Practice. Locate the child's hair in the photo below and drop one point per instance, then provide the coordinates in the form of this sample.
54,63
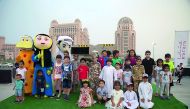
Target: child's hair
159,61
130,52
118,64
19,75
58,57
147,52
39,71
85,82
104,51
108,53
127,59
66,52
167,55
115,52
82,59
109,60
67,57
102,81
165,66
116,83
21,62
138,58
127,67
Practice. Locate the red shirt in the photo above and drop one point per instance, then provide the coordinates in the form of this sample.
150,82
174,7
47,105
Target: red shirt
83,72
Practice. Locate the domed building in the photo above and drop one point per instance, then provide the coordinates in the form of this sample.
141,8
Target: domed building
125,36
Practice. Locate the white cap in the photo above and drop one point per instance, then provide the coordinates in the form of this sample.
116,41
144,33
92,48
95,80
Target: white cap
66,39
145,75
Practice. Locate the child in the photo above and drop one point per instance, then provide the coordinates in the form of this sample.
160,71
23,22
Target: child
180,73
138,71
94,73
171,68
82,70
19,88
86,98
75,64
40,84
116,97
127,63
57,75
127,75
132,57
130,98
116,58
119,72
165,79
22,71
148,64
157,71
108,74
67,77
102,92
145,93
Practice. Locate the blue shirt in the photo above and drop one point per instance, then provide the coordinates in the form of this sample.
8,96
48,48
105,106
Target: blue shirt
102,91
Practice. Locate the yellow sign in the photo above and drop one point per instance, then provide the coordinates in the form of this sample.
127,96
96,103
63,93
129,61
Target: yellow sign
108,45
83,45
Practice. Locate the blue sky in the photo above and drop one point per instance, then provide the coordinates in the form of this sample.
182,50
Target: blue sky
154,20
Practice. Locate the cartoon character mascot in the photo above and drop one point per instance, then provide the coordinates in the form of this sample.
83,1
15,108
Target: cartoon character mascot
64,43
25,54
43,62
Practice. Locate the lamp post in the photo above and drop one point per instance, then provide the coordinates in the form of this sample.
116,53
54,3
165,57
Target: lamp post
153,45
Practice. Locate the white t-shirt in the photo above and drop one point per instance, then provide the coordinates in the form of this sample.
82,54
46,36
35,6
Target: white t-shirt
165,76
119,74
158,70
21,71
127,76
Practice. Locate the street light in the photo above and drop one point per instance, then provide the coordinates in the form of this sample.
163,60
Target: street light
153,45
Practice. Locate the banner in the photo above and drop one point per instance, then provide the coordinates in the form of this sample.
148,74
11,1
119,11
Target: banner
181,48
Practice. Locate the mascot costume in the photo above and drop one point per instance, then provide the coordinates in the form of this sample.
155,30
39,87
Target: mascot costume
64,43
43,62
26,51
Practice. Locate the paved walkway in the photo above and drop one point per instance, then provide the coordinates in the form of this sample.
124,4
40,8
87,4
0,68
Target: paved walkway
182,92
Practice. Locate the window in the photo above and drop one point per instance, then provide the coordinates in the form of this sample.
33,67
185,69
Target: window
125,33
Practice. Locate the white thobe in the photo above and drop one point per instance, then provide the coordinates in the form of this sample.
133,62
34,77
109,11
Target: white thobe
131,97
145,91
108,74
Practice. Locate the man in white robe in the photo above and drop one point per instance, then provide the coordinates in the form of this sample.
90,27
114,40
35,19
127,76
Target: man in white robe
130,98
109,75
145,93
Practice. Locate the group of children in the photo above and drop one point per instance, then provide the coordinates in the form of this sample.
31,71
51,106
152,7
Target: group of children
104,81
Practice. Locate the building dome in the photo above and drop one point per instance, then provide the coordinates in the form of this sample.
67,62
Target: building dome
54,23
77,21
125,20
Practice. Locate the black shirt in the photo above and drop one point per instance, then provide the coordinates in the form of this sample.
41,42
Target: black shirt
148,65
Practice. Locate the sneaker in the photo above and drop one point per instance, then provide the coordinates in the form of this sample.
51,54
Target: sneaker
168,98
67,97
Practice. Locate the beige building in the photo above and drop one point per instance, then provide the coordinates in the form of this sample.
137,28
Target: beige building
125,36
74,30
7,51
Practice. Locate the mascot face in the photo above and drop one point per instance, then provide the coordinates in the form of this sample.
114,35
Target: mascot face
43,41
64,43
25,42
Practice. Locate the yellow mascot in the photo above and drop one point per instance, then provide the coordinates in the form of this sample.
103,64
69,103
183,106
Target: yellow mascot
26,51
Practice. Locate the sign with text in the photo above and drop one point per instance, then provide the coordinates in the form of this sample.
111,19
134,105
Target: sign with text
181,47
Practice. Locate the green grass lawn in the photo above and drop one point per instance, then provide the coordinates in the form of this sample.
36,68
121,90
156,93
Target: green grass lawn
50,103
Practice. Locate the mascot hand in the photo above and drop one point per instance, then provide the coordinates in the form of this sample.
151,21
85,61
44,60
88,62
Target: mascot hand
48,72
39,55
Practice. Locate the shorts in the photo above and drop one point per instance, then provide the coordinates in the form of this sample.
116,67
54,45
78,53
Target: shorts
18,92
172,83
67,83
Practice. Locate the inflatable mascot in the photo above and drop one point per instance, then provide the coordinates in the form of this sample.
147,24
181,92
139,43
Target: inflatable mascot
26,51
64,43
43,62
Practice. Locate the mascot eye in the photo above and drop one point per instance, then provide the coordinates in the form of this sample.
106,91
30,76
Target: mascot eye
69,46
26,39
22,39
39,38
46,39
